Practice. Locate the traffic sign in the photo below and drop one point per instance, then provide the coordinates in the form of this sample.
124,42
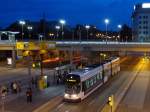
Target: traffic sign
32,46
20,45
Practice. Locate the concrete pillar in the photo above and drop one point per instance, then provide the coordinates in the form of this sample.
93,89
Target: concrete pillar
13,58
122,53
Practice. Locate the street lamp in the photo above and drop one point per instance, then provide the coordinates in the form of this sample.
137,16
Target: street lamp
62,22
87,29
106,23
22,23
119,27
57,28
29,29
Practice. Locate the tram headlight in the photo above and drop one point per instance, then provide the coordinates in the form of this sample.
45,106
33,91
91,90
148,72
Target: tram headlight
74,96
66,95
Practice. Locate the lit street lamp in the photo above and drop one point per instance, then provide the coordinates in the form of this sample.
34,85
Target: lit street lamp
87,29
119,27
29,29
62,22
106,23
22,23
57,28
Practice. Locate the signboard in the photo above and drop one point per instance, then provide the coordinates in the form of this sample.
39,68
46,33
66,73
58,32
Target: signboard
32,46
9,61
43,45
20,45
51,45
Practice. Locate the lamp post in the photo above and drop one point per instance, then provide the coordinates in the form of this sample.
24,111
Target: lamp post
22,23
29,29
119,27
87,29
57,28
71,51
62,22
106,23
40,38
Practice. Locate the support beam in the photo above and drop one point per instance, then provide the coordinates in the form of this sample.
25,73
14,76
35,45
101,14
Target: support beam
13,58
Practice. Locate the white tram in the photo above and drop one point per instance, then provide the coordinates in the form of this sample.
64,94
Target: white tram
82,82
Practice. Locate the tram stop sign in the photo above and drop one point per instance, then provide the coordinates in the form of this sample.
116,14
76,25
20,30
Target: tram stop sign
111,100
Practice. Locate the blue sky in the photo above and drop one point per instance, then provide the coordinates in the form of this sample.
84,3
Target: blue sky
74,11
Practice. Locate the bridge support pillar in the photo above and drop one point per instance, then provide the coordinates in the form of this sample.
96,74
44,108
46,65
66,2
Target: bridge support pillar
13,58
122,53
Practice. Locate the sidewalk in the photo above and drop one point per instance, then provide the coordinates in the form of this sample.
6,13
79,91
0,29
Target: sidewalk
19,103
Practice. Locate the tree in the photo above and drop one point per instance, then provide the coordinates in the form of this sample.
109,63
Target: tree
126,33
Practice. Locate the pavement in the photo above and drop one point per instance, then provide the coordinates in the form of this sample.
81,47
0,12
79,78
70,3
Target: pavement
19,103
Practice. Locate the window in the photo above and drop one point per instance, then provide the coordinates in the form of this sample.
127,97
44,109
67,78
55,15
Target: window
95,80
98,76
145,22
87,84
91,82
4,37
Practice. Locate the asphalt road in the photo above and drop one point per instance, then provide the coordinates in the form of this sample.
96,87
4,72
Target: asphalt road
137,98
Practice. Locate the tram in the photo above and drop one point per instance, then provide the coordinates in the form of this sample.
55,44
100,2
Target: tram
82,82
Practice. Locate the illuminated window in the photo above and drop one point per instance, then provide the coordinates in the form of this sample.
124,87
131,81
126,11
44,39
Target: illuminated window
146,5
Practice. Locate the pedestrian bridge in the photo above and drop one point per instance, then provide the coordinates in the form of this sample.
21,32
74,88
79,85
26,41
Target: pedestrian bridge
84,45
103,46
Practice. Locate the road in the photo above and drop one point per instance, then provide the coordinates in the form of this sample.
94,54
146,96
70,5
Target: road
137,98
95,102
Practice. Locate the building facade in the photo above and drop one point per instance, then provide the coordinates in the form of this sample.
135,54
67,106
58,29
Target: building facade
141,23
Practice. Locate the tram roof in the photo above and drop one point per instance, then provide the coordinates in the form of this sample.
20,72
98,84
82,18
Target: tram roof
85,70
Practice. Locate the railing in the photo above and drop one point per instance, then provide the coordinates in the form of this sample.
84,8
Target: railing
99,43
83,43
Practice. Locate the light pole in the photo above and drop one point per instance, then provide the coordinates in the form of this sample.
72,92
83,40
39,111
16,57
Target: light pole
40,37
87,29
106,23
119,27
57,28
29,29
62,22
22,23
71,51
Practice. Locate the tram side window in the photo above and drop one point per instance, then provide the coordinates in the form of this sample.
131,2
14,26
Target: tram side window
91,82
98,76
87,83
95,80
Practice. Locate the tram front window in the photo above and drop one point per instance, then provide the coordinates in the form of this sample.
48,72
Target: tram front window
73,85
73,89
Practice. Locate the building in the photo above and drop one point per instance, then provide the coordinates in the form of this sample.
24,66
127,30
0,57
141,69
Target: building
141,22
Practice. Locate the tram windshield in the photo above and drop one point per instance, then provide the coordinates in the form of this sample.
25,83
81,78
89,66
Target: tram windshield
72,84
